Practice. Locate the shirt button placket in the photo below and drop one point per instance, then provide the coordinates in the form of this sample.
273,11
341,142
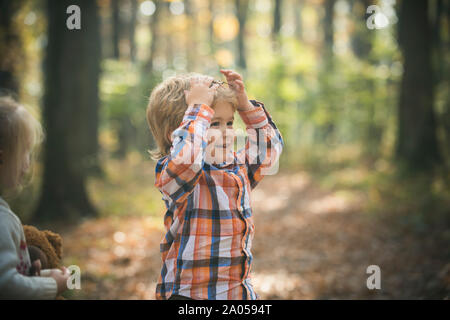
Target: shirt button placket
239,199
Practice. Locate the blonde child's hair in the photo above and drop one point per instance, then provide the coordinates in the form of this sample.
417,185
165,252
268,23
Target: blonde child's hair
20,132
166,108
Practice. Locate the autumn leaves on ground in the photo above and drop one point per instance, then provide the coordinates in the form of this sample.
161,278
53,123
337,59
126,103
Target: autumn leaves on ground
315,238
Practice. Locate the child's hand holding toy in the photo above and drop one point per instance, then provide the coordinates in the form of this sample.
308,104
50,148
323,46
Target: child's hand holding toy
236,83
201,91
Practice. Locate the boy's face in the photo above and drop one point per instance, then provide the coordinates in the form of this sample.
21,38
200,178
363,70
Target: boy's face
221,133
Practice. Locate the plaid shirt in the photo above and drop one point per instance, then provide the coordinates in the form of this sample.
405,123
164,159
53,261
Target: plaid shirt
209,223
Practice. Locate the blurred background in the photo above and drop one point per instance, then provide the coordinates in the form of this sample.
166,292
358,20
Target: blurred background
359,90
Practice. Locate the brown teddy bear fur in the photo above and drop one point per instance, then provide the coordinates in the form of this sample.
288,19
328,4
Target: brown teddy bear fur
49,242
45,245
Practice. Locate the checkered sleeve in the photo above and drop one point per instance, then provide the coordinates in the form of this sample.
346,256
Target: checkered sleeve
264,143
177,173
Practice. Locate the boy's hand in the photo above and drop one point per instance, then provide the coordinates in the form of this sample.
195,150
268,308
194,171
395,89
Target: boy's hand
201,91
236,83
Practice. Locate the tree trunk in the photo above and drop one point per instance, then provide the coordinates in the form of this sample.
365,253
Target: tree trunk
242,10
277,18
298,20
441,69
116,27
190,35
276,25
132,33
328,29
211,28
70,112
11,51
362,37
154,33
361,42
416,138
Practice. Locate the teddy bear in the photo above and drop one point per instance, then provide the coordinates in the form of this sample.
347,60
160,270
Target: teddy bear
45,246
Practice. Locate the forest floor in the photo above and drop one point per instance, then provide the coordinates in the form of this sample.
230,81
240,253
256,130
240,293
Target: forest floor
310,242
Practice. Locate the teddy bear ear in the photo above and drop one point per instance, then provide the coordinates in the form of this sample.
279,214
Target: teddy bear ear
27,229
56,241
31,235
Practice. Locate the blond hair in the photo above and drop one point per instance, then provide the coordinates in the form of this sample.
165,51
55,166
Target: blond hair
20,132
167,106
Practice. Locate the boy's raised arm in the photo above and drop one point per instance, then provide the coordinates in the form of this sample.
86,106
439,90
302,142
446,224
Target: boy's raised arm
264,143
178,172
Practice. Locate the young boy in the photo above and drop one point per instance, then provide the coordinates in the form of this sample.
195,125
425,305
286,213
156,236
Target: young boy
206,185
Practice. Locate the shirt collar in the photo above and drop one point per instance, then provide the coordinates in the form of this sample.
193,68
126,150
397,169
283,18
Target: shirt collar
225,164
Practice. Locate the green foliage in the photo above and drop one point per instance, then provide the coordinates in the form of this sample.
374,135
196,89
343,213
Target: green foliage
133,175
124,94
416,202
334,112
339,101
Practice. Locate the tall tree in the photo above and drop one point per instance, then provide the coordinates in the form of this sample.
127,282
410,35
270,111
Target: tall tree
169,40
328,29
362,42
362,37
211,27
441,72
190,34
242,11
298,19
116,28
70,114
154,33
326,131
10,46
417,145
132,30
276,26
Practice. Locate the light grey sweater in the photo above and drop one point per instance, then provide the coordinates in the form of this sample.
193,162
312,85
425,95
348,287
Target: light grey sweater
15,262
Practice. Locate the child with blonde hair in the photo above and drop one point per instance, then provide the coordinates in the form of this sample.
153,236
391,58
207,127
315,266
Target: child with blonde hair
20,132
206,185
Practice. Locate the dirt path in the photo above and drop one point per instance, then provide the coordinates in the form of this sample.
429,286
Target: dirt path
320,245
309,244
